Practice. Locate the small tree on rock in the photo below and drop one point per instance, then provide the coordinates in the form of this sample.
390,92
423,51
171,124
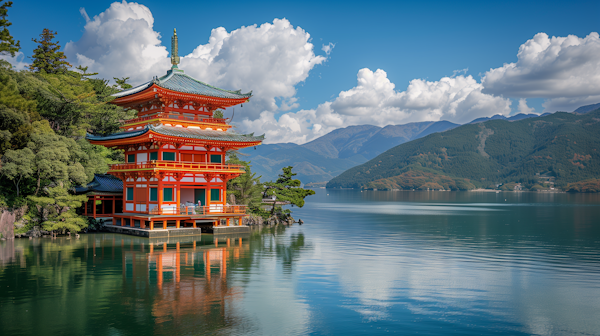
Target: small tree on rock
47,57
286,188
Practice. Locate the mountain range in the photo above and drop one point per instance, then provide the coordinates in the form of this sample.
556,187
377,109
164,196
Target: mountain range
556,151
326,157
320,160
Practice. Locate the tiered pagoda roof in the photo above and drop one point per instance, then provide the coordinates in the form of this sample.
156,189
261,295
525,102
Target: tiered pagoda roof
181,132
103,183
177,80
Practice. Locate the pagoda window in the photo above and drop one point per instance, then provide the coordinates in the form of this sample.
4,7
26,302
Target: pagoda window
215,158
168,156
129,195
167,194
215,195
153,156
142,157
153,194
130,158
186,157
199,158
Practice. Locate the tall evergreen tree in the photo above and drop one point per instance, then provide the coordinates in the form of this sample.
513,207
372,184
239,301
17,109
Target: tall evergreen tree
47,57
7,42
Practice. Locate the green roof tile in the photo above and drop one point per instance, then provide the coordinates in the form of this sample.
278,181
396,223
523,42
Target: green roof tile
191,133
177,80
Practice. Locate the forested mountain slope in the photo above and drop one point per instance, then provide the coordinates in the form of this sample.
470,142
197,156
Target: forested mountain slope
544,152
328,156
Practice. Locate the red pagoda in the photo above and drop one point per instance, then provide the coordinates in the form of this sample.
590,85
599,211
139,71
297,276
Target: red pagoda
175,173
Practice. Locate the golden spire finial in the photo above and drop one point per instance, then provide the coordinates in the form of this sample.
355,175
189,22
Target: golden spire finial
174,49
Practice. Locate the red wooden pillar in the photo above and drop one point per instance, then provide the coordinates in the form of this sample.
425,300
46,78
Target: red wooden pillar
165,226
94,204
160,197
151,225
228,219
114,208
177,224
178,198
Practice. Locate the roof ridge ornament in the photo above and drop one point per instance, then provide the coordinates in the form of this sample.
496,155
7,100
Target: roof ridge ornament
174,49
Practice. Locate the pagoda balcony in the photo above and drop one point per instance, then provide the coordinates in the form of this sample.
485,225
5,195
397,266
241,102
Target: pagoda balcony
208,210
189,119
191,167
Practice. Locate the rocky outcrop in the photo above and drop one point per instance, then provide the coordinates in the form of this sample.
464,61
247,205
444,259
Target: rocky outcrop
7,222
273,220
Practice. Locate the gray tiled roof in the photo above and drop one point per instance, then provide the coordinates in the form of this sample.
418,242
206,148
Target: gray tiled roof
177,80
102,183
195,133
120,135
191,133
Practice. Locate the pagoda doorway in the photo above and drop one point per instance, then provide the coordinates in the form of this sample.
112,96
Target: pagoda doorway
200,196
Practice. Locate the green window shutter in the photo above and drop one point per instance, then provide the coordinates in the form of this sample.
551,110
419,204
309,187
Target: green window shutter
168,194
153,156
168,156
129,194
215,194
154,194
215,158
130,158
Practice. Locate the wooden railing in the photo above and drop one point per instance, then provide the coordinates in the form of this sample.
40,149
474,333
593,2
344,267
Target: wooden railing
182,117
175,165
215,209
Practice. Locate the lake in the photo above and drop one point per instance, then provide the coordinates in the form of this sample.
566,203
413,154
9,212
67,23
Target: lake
371,262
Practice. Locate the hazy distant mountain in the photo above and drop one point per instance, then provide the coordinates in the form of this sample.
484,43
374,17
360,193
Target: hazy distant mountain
328,156
516,117
587,108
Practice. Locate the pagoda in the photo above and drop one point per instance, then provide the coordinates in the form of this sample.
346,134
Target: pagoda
175,173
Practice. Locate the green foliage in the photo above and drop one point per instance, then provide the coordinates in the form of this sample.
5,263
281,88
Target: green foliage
246,188
56,211
587,186
218,114
286,188
7,42
47,57
122,83
17,165
561,145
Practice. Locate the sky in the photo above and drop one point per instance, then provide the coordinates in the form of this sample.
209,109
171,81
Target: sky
315,66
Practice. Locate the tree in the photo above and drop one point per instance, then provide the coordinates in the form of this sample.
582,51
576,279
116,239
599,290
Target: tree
122,82
286,188
7,42
246,188
47,57
17,165
57,210
218,114
84,73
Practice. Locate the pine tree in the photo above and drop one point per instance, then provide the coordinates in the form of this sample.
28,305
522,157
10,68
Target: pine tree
286,188
122,82
46,56
7,42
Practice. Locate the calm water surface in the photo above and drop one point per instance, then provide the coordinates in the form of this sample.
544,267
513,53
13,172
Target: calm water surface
429,263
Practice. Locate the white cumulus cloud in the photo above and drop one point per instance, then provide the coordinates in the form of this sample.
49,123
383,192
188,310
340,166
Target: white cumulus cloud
270,59
17,62
375,101
563,68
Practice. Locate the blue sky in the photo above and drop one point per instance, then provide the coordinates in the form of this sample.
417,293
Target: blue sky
408,40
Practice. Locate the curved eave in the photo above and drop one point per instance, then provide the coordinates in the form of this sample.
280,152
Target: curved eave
156,91
152,136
